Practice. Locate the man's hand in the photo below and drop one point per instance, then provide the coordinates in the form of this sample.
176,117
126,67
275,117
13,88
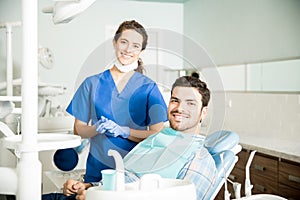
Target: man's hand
71,187
81,194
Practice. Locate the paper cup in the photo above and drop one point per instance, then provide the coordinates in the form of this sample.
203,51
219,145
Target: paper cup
108,179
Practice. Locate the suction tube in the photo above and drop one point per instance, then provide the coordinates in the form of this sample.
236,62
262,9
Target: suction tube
120,178
248,186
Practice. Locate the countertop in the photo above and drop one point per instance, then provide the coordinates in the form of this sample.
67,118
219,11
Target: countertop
288,149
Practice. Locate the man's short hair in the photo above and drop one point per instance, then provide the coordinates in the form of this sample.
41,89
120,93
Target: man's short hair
190,81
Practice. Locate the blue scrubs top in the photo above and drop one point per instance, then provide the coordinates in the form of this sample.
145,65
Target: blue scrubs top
139,105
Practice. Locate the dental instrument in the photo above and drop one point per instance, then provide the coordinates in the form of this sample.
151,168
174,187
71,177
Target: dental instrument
248,186
120,178
226,192
236,188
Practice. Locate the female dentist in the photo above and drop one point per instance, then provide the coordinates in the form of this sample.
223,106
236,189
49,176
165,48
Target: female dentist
120,106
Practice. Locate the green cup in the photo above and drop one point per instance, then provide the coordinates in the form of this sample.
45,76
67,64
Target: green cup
108,179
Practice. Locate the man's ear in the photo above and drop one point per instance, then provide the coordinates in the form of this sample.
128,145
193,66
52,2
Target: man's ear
204,112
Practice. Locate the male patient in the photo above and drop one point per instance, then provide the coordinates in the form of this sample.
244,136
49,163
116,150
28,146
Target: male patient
187,108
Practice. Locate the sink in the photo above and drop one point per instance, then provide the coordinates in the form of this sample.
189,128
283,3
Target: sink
148,188
62,123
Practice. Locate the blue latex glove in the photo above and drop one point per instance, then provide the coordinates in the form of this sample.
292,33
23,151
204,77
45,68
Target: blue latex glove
112,129
99,125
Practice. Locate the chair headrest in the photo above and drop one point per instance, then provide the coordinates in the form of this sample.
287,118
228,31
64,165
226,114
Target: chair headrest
65,159
220,141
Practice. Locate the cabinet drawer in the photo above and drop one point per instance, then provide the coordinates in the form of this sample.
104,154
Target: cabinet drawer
288,192
289,174
243,158
237,175
265,166
263,185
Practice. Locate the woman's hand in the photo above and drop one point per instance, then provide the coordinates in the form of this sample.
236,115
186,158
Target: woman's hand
111,128
99,125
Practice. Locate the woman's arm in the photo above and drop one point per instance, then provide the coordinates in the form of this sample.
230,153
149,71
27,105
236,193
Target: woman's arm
83,129
139,135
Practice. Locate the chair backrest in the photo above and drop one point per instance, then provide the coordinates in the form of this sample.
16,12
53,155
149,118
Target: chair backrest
222,143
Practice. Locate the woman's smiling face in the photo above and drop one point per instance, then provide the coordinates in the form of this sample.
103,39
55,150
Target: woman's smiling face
128,46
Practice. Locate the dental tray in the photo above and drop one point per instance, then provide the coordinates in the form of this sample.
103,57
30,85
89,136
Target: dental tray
45,141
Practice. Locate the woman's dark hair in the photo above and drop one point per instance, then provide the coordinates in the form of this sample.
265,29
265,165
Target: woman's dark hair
133,25
190,81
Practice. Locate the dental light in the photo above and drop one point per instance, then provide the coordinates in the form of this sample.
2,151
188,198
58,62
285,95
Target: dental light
64,11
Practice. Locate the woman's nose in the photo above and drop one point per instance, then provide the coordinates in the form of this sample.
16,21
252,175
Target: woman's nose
129,48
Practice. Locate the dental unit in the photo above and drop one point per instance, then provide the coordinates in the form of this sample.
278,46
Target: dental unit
150,186
15,181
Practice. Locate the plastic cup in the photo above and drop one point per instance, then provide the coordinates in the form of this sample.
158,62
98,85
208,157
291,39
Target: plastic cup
108,179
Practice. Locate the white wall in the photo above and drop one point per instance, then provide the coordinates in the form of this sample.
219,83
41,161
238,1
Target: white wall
237,32
6,15
72,43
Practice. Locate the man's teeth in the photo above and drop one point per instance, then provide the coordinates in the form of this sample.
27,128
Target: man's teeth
178,117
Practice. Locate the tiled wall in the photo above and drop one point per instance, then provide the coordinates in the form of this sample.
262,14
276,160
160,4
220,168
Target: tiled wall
263,114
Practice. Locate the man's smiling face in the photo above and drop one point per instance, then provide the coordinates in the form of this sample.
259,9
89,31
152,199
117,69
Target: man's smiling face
185,109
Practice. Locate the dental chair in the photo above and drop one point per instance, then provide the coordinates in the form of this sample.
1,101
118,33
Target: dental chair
223,146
